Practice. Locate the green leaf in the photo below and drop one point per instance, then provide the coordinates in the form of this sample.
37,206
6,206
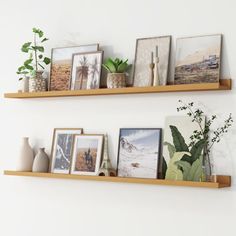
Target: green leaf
40,56
46,60
196,170
29,67
163,167
173,172
106,67
38,31
178,140
25,47
197,150
171,149
41,66
185,167
45,39
21,68
110,64
122,67
27,62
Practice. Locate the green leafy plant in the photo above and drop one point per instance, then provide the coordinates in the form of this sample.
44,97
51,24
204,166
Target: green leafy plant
187,160
36,58
116,66
201,139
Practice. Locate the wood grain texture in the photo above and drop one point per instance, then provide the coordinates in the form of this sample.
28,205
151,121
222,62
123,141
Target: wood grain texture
226,180
223,85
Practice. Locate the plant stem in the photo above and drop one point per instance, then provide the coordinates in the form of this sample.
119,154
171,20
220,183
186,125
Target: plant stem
35,54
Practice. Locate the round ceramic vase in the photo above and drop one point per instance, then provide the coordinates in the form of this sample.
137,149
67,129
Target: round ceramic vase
116,80
41,162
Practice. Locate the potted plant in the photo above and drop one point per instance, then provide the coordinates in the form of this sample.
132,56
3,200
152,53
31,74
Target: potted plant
116,77
33,68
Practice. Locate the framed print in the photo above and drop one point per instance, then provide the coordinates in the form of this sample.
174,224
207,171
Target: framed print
86,70
146,49
198,59
87,152
178,152
138,152
62,147
61,62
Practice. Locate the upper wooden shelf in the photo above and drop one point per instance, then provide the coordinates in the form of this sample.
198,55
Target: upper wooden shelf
224,84
222,181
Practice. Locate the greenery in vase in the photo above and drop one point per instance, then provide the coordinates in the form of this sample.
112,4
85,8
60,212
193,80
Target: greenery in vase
116,66
186,161
36,59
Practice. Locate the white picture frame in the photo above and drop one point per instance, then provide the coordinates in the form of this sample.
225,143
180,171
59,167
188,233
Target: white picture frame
87,154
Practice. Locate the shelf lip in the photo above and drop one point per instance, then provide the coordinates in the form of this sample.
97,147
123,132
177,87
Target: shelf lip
225,84
226,180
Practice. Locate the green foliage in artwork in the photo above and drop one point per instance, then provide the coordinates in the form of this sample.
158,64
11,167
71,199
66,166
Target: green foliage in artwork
116,66
36,58
173,172
178,140
171,149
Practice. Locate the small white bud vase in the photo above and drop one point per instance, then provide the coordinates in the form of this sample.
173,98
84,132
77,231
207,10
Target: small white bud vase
26,157
41,161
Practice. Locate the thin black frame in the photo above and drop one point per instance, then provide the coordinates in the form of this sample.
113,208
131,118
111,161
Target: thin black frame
158,156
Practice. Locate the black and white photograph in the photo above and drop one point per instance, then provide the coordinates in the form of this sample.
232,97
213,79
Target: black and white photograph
62,146
138,154
86,70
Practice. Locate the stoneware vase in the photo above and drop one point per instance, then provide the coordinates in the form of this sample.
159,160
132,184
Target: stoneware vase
26,158
116,80
38,83
41,161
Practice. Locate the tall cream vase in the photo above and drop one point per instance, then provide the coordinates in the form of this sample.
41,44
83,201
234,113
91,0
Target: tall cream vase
41,161
26,157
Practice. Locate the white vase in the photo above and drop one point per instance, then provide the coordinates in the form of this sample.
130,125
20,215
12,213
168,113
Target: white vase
41,161
26,158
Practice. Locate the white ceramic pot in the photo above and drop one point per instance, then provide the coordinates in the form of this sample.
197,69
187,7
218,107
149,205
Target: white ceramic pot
116,80
26,157
41,161
24,85
38,83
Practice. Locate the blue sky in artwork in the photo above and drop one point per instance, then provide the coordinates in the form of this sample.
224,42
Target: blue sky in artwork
142,137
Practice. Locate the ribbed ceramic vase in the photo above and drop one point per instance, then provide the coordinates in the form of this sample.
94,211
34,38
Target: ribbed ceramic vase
41,161
26,157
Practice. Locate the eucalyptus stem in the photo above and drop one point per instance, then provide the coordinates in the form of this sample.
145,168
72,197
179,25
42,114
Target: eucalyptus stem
35,53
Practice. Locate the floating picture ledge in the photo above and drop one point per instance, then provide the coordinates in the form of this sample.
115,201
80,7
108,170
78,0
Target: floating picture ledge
222,181
224,84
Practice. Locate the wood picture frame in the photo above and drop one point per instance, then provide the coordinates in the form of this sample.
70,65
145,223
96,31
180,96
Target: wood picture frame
86,70
62,147
61,64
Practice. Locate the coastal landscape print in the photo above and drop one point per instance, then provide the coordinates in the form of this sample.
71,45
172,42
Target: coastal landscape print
62,150
86,70
198,59
139,153
87,154
62,63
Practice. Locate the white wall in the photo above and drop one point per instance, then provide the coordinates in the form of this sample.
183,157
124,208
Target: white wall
46,207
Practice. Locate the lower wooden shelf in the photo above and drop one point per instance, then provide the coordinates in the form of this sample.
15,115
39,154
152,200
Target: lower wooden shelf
222,181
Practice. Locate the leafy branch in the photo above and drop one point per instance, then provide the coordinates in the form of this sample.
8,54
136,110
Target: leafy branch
197,115
36,58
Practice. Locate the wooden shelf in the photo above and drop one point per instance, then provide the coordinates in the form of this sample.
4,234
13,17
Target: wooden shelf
222,181
224,84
